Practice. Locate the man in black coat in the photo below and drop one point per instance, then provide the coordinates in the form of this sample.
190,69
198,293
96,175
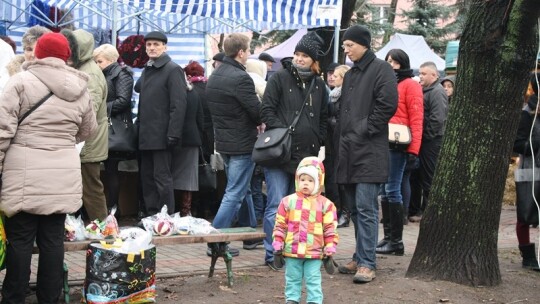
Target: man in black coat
234,106
369,99
162,108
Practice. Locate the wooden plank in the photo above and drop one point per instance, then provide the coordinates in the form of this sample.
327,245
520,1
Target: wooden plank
232,234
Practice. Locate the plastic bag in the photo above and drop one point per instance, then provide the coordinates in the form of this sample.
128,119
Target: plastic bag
135,239
94,230
160,223
74,228
192,225
111,225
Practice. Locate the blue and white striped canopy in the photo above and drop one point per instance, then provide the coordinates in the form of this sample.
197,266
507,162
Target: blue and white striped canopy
184,16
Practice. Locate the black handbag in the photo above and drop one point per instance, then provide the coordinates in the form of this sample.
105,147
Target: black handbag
123,134
273,147
526,208
207,175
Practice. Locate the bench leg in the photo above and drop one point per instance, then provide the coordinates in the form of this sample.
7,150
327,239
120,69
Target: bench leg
220,250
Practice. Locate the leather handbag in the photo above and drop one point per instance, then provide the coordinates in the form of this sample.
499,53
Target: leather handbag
123,134
526,202
207,175
399,136
273,147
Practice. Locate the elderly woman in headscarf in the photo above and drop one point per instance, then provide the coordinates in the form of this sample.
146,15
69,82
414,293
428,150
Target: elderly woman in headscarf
297,84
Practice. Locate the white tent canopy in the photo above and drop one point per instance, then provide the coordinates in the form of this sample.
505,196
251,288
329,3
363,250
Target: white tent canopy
417,49
284,49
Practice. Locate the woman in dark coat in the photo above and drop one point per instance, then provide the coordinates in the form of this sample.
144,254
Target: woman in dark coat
186,157
285,93
119,92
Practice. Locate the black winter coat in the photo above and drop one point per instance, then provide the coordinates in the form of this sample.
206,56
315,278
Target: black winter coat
193,123
369,98
119,91
522,144
234,106
283,97
162,103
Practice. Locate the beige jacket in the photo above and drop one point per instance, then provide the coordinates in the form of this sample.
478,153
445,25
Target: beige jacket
41,171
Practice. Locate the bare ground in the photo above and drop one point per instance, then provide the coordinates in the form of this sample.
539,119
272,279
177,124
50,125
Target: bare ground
261,285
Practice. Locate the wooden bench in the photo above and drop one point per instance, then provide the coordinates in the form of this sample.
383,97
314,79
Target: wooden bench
218,244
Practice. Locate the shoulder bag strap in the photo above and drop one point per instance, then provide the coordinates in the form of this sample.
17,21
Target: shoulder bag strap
39,103
295,121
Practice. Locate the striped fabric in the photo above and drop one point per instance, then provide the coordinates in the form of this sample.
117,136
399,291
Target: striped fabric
189,16
181,47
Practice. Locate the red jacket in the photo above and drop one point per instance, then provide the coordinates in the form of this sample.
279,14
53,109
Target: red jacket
410,111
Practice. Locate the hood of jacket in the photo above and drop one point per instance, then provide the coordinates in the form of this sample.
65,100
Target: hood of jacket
256,66
81,43
15,64
67,86
313,167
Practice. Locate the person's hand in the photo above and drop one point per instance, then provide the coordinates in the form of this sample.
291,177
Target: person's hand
172,141
329,251
279,260
412,161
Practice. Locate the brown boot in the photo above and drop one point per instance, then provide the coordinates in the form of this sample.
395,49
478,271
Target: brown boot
349,268
185,207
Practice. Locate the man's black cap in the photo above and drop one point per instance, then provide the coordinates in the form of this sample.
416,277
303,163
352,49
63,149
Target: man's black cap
332,66
266,57
219,56
155,35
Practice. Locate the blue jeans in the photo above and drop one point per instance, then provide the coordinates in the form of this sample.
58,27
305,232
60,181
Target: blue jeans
308,270
365,217
246,214
278,185
257,195
392,189
239,169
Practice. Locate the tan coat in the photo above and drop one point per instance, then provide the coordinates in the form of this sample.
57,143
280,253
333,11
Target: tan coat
41,171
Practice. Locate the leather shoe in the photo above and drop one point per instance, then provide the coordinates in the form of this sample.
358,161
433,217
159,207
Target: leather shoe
364,275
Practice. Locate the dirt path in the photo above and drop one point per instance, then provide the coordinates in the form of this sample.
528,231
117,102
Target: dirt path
261,285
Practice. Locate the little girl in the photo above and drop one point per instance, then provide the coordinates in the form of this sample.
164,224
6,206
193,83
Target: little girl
305,233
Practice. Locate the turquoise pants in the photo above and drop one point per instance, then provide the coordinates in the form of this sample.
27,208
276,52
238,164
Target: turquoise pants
307,270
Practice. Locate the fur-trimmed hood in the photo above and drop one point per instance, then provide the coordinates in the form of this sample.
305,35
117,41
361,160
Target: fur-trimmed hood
81,44
14,66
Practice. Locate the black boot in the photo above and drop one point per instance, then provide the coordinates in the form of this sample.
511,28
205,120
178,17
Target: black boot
529,257
386,223
344,219
395,244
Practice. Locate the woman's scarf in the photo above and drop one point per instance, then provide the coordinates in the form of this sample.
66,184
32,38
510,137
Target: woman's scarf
335,94
403,74
305,73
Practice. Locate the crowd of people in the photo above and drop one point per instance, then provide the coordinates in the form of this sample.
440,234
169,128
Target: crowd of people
342,167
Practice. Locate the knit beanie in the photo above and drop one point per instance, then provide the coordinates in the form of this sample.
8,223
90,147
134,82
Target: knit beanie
52,45
359,34
311,44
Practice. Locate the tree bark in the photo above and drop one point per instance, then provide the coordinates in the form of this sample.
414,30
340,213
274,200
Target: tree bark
458,233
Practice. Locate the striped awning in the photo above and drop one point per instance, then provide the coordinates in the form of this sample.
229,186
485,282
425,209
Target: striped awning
183,16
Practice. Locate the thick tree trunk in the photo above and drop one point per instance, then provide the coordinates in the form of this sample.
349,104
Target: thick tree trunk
458,234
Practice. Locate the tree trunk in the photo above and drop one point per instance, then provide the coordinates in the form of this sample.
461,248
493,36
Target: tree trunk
391,20
458,233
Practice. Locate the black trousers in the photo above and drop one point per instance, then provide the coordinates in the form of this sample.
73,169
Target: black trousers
48,232
156,180
421,183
